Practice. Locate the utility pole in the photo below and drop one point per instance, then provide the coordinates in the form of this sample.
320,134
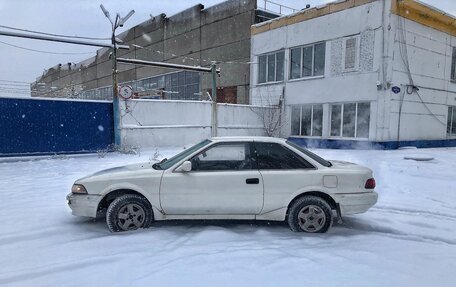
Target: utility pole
214,100
118,22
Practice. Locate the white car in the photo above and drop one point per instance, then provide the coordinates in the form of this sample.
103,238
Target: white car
228,178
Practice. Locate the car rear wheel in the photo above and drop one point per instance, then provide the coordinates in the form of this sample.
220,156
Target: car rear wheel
129,212
310,214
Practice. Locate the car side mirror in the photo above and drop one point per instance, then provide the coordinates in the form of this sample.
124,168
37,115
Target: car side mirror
186,166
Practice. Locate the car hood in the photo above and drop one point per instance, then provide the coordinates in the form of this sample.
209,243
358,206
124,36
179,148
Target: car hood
146,166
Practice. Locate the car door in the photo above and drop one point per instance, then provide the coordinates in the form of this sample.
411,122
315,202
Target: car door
284,173
223,180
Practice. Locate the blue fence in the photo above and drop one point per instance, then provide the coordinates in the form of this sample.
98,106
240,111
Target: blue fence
39,127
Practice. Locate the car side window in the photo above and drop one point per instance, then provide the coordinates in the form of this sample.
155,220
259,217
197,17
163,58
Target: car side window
276,156
225,156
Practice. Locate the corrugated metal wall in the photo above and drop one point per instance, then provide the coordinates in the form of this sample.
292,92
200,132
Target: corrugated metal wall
37,126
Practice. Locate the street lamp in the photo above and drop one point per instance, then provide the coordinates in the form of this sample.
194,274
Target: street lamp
118,22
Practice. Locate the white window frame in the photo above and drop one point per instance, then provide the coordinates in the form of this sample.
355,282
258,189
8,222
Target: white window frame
311,120
357,52
341,129
301,62
450,118
267,68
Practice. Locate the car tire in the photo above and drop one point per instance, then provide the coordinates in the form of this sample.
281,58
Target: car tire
310,214
129,212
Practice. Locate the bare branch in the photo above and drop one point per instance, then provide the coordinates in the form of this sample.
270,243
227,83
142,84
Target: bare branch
270,114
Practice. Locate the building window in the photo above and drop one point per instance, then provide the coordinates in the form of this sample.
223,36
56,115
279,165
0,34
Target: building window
451,122
350,120
307,120
271,67
182,85
307,61
350,59
453,65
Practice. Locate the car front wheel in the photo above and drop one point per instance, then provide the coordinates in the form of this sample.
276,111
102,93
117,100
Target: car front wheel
129,212
310,214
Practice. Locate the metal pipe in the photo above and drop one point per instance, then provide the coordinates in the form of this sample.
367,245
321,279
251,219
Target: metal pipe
115,90
214,100
166,65
60,40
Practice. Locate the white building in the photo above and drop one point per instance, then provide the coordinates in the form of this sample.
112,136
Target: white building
360,72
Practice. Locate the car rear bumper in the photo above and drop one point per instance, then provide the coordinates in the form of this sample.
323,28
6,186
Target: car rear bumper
353,203
83,204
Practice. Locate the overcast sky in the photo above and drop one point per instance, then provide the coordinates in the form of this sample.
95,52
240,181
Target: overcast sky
84,18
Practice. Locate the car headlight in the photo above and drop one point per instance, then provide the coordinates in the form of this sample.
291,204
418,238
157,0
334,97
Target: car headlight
79,189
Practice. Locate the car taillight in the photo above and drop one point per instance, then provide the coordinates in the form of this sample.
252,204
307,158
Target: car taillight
370,184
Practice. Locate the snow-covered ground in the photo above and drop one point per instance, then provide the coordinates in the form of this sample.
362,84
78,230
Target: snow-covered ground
407,239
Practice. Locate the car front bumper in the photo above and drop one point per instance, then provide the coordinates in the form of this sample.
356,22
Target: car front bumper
353,203
83,204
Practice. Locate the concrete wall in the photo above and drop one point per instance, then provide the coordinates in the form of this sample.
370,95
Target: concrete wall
195,36
336,86
424,114
153,123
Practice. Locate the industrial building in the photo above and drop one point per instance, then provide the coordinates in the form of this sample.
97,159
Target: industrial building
196,36
360,73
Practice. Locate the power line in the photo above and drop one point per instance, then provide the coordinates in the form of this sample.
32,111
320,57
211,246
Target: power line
429,109
15,92
403,51
8,81
209,61
56,35
45,52
15,89
16,85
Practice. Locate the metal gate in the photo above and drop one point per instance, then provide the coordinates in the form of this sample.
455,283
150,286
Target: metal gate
50,126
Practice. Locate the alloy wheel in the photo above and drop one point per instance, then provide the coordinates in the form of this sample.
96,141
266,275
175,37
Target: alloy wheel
311,218
131,216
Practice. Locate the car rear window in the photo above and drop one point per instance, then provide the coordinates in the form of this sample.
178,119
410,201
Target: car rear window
277,156
310,154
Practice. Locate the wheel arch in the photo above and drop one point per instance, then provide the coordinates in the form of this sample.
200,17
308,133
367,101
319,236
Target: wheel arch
325,196
110,196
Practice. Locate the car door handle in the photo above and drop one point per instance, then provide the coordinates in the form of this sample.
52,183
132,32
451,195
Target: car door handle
252,181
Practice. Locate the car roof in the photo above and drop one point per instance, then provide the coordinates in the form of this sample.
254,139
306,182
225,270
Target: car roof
248,139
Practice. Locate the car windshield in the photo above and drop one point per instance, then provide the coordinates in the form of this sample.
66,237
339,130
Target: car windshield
165,164
310,154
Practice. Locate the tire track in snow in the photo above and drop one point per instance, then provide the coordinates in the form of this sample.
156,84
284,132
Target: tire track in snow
394,233
414,212
50,270
53,234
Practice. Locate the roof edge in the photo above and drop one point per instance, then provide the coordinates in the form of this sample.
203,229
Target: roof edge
425,14
307,14
413,10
